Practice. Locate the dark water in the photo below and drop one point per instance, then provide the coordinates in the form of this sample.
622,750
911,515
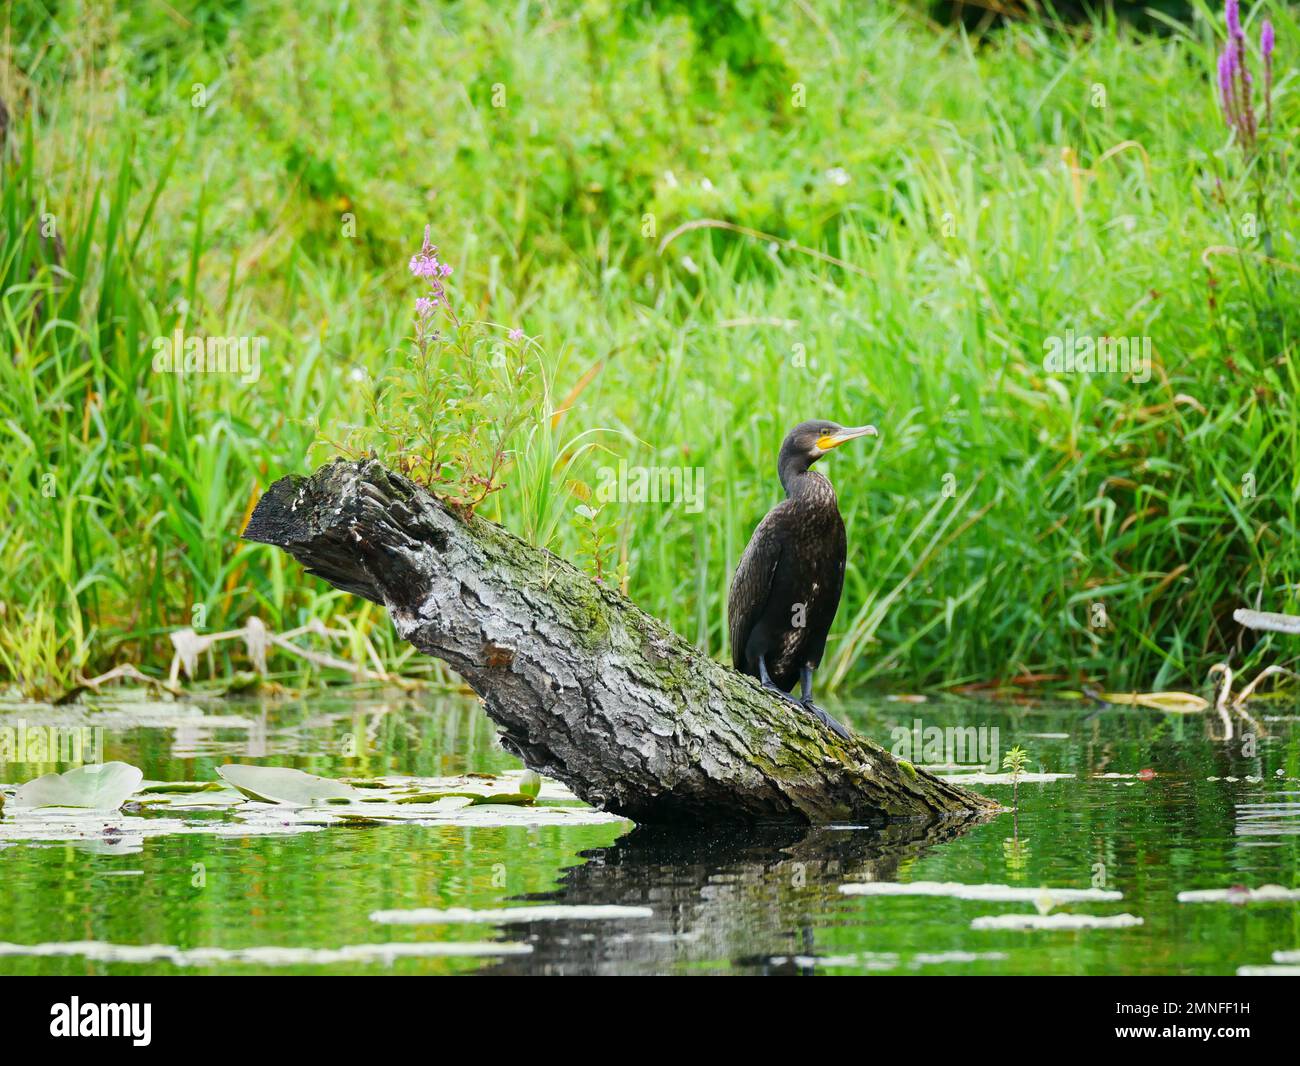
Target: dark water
722,902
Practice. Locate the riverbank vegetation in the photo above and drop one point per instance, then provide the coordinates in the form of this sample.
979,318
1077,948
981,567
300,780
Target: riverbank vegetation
683,249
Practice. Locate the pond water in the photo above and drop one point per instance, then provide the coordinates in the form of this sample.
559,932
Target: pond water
1213,816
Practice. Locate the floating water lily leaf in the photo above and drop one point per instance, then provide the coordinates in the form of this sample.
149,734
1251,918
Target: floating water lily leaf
998,893
1242,894
982,778
1055,921
97,787
1169,702
434,797
182,786
290,802
888,960
279,784
513,799
264,956
555,912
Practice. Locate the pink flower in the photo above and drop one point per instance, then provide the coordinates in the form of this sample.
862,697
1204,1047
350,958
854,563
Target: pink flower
425,264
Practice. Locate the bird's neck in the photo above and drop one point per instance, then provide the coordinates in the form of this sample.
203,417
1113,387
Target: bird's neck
807,485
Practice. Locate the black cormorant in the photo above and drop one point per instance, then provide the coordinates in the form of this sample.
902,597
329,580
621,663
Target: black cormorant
787,585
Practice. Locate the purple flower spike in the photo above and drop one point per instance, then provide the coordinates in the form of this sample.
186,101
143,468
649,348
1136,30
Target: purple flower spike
1266,49
1237,94
1225,83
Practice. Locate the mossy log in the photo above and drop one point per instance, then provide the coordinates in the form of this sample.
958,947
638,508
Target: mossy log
587,688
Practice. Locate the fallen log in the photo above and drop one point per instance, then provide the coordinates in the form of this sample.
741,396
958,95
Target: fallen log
587,688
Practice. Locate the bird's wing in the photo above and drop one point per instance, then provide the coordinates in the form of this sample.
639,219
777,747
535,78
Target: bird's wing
751,586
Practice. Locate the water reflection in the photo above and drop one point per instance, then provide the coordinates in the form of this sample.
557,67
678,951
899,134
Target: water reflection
750,896
1206,816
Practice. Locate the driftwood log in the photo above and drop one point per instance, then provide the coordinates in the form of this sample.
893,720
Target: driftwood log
587,688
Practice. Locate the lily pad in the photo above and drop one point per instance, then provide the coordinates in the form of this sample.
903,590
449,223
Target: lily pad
434,797
96,787
982,778
512,799
889,960
1168,702
1055,921
1241,894
289,802
555,912
998,893
279,784
264,956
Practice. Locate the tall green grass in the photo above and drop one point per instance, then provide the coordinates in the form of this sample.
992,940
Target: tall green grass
964,200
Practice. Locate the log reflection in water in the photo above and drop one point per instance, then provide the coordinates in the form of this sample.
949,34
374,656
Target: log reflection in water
719,896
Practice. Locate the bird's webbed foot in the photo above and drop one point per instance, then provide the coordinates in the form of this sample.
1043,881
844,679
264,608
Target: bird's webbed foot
806,701
835,726
776,690
765,679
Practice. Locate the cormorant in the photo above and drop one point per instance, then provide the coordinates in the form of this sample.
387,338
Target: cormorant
787,585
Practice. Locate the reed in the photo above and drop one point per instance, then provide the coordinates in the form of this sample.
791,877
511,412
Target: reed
944,205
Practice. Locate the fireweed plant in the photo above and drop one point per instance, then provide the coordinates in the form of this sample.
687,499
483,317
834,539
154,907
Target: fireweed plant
446,417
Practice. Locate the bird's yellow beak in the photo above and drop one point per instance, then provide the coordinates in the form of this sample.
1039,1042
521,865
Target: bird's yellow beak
834,440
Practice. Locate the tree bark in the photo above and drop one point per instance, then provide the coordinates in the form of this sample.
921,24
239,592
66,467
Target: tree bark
588,689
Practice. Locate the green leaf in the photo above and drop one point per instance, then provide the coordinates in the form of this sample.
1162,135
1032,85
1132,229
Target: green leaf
278,784
514,799
98,787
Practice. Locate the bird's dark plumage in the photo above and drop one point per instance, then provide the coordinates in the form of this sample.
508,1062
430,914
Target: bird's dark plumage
787,585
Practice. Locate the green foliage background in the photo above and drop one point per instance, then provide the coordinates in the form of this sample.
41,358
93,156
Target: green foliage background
941,205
